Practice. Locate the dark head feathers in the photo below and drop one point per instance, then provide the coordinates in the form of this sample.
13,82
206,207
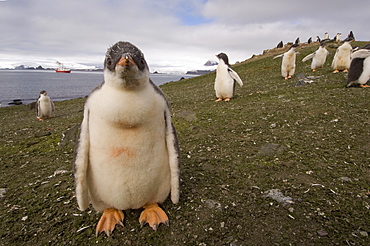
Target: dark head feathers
224,57
119,49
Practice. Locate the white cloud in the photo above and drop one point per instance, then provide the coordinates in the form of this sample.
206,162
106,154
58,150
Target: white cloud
173,33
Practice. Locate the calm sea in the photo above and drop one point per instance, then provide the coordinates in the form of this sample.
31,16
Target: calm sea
26,84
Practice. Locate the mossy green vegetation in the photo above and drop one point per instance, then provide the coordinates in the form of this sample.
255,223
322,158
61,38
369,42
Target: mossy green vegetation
310,142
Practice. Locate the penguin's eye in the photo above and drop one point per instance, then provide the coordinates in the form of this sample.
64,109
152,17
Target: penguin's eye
109,62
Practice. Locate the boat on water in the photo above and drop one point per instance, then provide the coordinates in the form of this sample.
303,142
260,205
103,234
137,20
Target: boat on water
62,68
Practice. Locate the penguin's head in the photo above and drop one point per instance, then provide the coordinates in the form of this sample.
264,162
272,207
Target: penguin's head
43,93
224,57
125,66
294,46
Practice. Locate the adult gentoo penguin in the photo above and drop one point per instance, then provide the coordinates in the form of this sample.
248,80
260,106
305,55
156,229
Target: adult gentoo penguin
318,57
44,106
127,156
342,57
359,70
288,62
225,79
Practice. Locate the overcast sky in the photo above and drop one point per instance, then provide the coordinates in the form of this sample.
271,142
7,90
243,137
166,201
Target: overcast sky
173,34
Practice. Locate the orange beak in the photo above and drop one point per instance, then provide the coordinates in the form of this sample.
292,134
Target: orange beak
126,61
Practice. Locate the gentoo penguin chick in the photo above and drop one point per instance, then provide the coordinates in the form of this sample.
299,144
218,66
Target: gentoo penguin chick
318,57
280,45
44,106
127,156
359,70
342,57
288,62
326,36
337,37
225,79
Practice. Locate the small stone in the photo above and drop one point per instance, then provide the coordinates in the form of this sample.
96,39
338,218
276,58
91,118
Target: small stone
364,234
322,233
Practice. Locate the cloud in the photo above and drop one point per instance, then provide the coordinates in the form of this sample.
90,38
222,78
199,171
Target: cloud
171,33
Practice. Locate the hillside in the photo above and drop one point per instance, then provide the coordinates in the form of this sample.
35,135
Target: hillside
278,165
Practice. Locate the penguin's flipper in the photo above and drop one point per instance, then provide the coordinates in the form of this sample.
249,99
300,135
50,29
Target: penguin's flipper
174,157
81,163
362,53
235,76
52,105
154,216
310,56
108,221
278,56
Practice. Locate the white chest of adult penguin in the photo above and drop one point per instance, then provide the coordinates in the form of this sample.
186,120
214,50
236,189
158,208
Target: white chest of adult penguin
342,57
288,62
225,79
318,57
359,70
127,156
44,106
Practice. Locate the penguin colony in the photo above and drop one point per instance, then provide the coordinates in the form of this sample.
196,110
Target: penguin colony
357,63
127,155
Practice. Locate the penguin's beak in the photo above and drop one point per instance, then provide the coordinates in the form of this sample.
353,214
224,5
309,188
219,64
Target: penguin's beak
126,60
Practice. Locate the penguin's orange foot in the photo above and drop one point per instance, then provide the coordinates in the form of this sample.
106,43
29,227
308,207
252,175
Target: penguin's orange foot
110,218
227,99
313,70
336,71
40,119
345,70
290,76
218,100
286,77
153,215
365,86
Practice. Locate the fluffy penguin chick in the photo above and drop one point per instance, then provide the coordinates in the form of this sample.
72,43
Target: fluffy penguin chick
288,62
127,155
342,57
318,57
44,106
225,79
359,70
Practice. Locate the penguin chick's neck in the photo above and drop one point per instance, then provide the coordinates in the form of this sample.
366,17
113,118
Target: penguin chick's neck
127,77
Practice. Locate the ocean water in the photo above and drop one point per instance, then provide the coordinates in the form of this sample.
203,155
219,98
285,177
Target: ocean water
27,84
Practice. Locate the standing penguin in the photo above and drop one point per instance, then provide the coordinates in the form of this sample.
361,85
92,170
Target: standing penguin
288,62
225,79
127,156
337,37
44,106
359,71
318,57
342,57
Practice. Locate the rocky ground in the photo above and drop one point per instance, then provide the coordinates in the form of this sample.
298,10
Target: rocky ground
286,162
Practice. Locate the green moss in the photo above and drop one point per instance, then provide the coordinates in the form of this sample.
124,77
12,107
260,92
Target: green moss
324,167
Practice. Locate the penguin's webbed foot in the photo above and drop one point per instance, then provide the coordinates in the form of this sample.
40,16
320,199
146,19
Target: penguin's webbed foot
110,218
336,71
218,99
365,86
227,99
153,215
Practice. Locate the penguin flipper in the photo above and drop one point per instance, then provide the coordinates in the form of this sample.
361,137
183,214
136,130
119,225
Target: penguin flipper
362,53
310,56
278,56
235,76
174,157
81,163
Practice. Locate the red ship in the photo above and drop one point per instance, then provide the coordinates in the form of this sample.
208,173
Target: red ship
62,68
